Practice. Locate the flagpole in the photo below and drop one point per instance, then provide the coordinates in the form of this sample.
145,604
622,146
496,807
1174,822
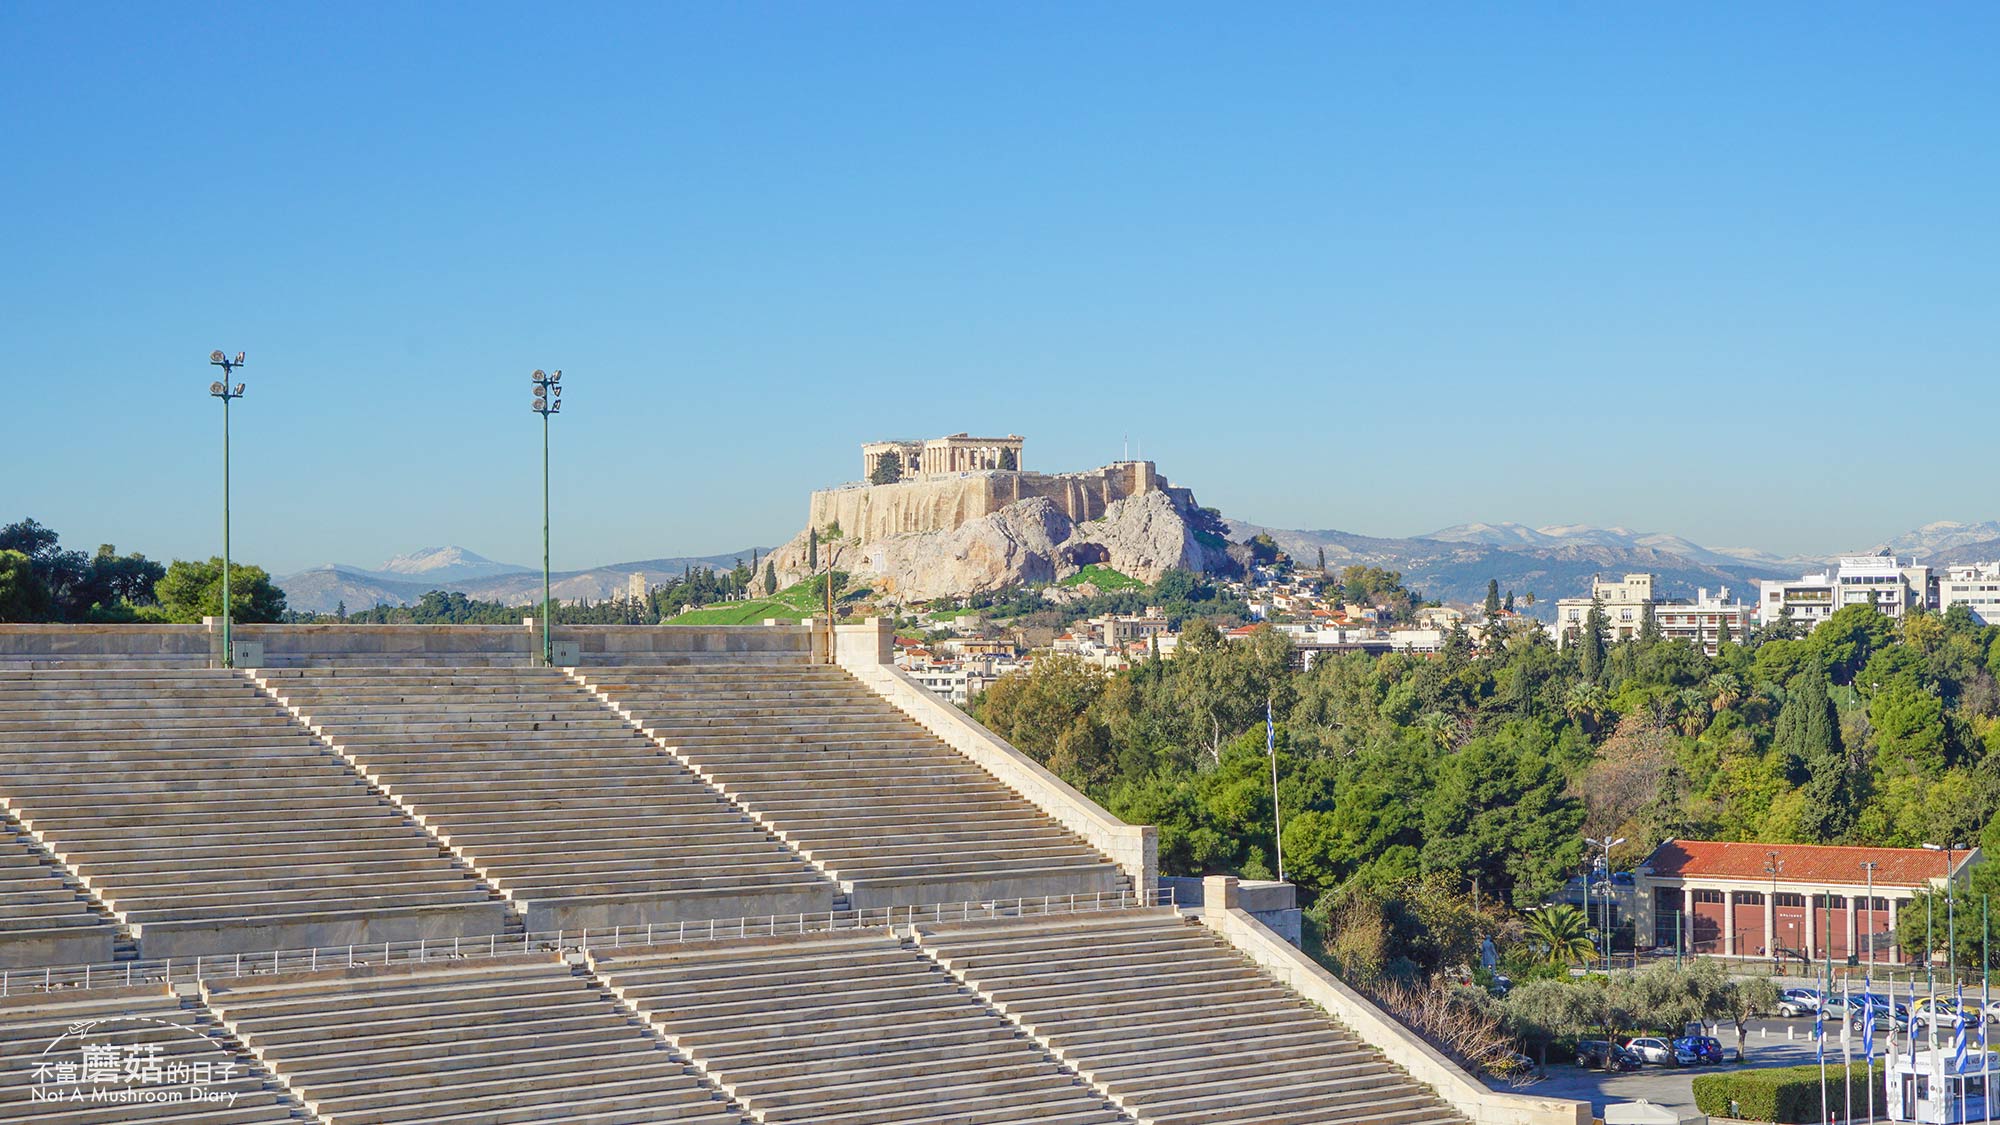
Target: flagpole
1985,999
1847,1053
1277,817
1826,996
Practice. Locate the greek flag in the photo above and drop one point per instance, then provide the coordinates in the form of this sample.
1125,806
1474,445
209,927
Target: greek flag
1270,731
1819,1029
1868,1025
1958,1036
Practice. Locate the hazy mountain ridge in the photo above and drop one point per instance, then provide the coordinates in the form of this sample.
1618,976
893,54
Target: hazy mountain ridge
405,578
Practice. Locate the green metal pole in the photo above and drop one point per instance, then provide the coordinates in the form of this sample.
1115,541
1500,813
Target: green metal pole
548,617
228,650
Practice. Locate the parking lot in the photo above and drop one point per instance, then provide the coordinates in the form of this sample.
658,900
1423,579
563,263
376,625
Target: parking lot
1765,1045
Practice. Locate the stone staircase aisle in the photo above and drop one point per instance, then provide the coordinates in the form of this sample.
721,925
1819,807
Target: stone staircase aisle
580,821
1177,1026
846,1029
853,784
208,821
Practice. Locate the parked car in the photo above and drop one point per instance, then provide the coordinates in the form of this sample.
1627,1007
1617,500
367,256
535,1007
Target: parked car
1799,1001
1660,1052
1942,1010
1705,1049
1992,1012
1592,1052
1888,1017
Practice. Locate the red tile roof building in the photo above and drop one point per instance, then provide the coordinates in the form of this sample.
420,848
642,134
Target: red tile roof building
1741,899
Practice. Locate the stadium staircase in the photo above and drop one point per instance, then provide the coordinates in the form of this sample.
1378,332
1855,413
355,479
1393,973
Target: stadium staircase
854,785
208,821
551,797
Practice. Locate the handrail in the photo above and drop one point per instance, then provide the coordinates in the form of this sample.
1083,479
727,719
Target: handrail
17,982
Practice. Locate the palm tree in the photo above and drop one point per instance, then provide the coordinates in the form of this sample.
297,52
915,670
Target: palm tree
1561,935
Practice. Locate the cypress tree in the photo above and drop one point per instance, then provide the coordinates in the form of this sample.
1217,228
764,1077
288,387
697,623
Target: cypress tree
1808,738
1591,642
1492,598
812,549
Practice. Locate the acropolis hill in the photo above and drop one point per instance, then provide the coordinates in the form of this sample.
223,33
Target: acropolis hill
958,524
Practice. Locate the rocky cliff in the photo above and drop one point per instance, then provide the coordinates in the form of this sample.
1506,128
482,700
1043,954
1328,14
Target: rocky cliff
982,532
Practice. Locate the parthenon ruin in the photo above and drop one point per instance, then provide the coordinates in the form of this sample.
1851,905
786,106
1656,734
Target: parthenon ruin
958,453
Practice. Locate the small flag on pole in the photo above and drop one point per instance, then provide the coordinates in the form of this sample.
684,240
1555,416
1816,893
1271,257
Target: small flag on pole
1819,1030
1270,731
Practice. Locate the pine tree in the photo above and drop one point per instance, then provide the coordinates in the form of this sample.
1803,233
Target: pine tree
1322,562
1492,598
770,579
1649,626
812,548
1507,604
1009,460
340,611
1722,636
888,470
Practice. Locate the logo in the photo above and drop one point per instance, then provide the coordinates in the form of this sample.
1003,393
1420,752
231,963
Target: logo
131,1060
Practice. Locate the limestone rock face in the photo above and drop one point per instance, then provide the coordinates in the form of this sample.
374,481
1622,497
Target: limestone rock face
1144,537
1018,543
937,539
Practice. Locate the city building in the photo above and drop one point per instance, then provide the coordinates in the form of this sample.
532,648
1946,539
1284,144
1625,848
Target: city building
1624,603
1893,588
1756,900
957,453
635,587
1703,621
1976,587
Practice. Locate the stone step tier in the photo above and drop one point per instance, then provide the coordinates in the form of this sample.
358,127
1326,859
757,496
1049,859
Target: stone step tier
852,783
1177,1026
552,797
508,1041
208,821
848,1028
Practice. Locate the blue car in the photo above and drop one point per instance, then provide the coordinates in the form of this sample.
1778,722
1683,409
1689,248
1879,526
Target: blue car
1706,1049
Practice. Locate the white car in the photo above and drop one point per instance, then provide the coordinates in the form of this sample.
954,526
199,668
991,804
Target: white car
1659,1052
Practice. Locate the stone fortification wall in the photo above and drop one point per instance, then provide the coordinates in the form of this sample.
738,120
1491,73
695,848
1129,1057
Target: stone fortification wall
871,512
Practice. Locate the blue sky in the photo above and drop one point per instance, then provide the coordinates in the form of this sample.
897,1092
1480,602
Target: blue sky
1722,270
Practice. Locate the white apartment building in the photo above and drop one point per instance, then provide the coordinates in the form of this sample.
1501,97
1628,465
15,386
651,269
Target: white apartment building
1702,621
1624,601
1977,587
1894,589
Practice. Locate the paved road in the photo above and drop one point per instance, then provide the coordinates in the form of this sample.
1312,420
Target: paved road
1765,1045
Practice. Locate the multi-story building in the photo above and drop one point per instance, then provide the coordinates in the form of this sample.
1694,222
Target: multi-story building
1704,621
1881,580
1624,602
1976,587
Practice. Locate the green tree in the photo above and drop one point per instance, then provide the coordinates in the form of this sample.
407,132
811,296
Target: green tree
1590,642
1492,606
192,590
1559,935
23,595
1846,640
1500,810
1807,740
1507,604
1748,998
812,549
1009,460
770,579
1542,1011
888,469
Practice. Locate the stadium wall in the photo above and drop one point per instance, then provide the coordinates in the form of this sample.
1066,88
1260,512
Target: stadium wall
865,652
1222,912
287,646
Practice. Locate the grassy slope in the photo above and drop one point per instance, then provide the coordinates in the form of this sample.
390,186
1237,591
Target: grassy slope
1104,578
788,604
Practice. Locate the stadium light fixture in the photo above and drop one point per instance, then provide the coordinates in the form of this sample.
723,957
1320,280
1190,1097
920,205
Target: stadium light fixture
223,390
547,402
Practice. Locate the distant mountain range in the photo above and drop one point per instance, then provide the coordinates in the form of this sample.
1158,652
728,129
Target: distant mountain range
1455,563
405,578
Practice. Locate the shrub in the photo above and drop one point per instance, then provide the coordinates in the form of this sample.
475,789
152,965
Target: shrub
1788,1095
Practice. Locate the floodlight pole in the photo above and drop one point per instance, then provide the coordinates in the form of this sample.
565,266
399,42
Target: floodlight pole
225,391
548,400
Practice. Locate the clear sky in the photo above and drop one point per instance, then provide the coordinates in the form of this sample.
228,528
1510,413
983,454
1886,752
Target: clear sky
1722,270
